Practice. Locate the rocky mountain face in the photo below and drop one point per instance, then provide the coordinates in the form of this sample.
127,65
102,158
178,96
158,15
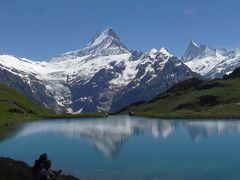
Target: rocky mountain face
211,63
26,83
103,76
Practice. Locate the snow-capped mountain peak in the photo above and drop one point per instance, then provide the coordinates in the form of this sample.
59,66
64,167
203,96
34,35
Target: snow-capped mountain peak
237,51
211,62
153,53
165,52
102,44
194,50
107,33
193,44
106,43
103,76
162,53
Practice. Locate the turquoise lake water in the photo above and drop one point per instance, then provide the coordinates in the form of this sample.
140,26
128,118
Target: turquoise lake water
123,147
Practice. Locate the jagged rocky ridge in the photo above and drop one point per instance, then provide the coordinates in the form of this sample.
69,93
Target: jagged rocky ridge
103,76
211,63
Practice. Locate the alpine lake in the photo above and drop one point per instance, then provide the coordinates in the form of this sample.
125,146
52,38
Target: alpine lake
124,147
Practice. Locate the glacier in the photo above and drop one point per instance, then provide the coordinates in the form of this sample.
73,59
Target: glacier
103,76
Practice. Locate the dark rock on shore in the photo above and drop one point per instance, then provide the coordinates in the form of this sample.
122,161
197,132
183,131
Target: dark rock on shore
17,170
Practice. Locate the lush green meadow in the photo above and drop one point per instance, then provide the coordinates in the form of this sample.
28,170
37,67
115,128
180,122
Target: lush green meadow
194,99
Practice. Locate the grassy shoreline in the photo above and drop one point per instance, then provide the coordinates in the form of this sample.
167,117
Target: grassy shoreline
14,118
187,117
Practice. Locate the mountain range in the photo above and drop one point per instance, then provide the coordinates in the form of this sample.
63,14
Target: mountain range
107,76
209,62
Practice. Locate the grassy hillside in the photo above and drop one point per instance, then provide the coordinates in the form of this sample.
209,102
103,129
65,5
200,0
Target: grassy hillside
195,99
14,107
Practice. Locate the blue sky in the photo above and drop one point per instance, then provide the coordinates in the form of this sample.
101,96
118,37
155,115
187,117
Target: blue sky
40,29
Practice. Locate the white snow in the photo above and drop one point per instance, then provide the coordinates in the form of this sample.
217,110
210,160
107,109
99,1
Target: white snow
195,44
211,62
165,52
128,74
153,53
100,37
203,65
78,111
212,65
80,66
54,74
178,64
64,70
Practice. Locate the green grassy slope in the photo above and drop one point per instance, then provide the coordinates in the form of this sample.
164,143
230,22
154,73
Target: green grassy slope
14,107
194,99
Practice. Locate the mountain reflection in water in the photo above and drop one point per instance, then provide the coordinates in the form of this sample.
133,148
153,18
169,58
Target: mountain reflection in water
108,135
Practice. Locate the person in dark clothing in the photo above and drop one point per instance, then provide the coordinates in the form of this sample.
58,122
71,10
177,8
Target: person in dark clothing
46,173
38,165
43,157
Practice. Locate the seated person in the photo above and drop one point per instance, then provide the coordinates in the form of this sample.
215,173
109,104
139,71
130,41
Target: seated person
46,173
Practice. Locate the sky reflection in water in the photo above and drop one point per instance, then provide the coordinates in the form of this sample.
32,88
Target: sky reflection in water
131,147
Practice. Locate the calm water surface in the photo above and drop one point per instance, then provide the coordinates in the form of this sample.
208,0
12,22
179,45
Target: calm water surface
123,147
